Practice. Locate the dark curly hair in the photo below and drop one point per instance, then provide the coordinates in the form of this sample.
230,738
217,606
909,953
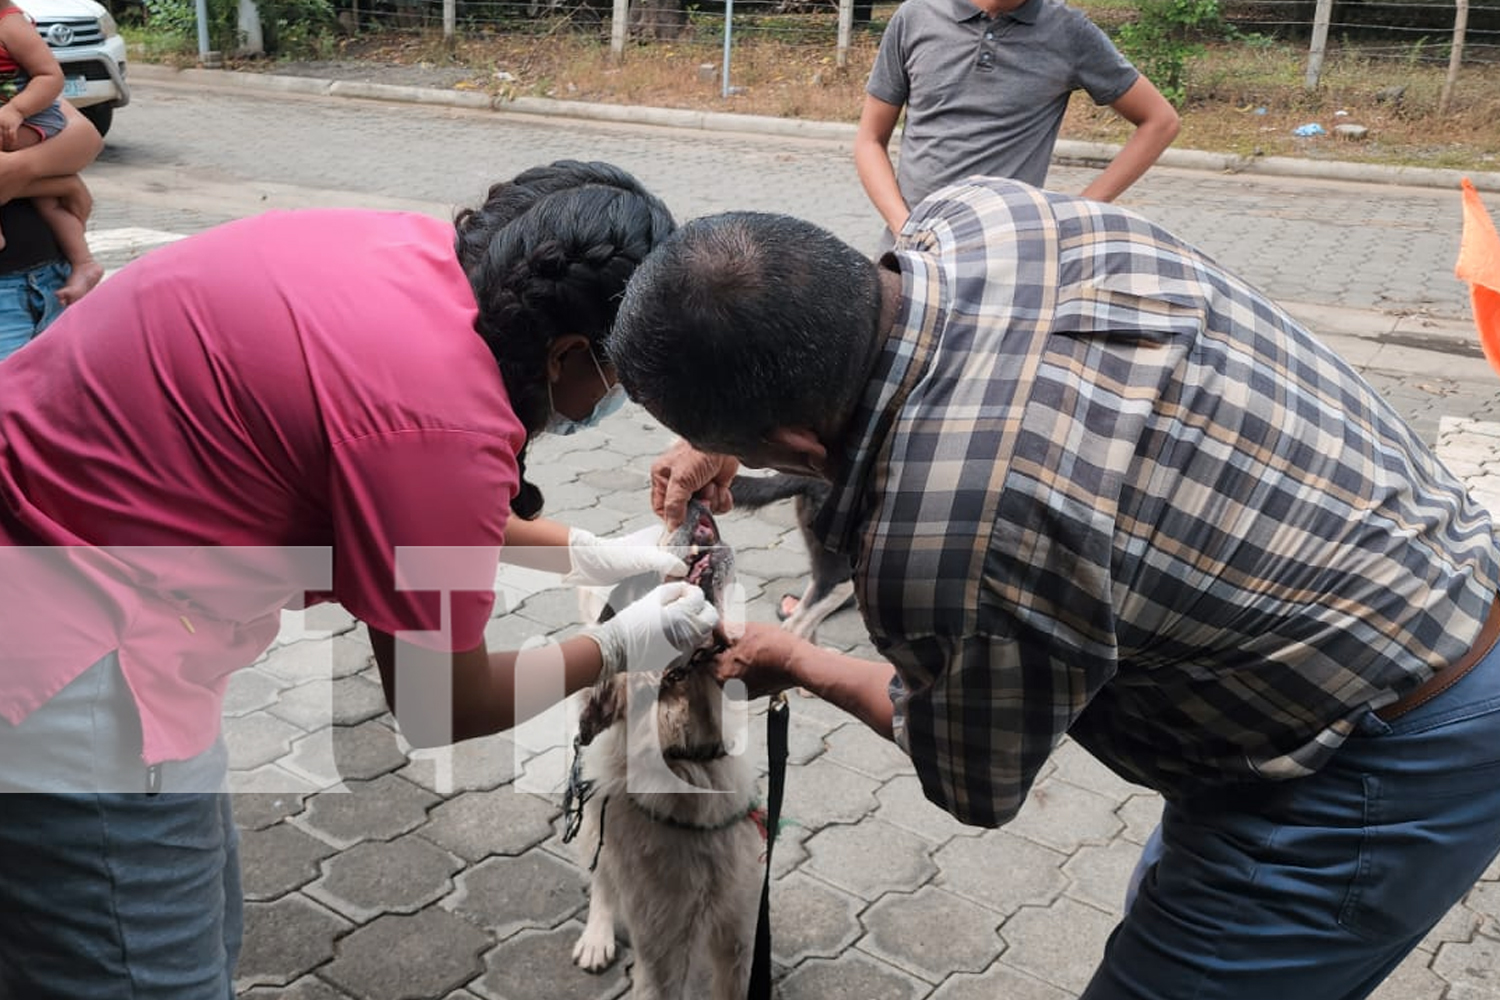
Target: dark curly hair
548,254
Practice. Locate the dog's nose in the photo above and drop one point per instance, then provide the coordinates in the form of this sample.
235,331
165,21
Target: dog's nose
705,532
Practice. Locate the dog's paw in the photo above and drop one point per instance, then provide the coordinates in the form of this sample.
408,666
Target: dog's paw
594,951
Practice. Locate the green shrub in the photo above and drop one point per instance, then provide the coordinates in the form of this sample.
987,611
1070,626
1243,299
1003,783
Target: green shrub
1166,36
298,27
290,27
180,17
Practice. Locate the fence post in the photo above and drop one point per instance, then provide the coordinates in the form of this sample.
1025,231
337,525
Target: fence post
728,37
450,20
619,29
846,29
1456,55
1321,16
200,10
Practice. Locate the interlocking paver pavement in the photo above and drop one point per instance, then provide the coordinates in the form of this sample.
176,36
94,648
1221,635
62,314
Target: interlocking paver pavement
287,937
441,873
279,859
430,953
378,876
1002,871
533,891
932,933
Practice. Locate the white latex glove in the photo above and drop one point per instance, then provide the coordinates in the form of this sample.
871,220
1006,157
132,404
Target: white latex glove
600,562
673,619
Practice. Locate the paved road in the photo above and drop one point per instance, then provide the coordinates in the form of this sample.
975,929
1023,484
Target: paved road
1339,244
438,875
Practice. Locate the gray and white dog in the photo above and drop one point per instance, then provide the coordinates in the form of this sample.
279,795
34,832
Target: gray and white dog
669,819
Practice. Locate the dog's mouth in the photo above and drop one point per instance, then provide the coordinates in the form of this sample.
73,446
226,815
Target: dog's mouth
710,568
710,562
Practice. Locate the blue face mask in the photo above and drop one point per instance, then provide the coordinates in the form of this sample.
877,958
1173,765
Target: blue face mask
613,398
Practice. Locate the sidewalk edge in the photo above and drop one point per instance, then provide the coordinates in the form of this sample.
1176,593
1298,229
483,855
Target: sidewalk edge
1067,151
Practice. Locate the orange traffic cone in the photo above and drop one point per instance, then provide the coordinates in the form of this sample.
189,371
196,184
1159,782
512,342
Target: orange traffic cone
1479,265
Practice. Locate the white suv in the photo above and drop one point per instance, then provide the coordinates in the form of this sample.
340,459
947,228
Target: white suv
85,40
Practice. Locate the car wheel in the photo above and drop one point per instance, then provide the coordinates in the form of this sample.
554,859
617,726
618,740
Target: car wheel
100,115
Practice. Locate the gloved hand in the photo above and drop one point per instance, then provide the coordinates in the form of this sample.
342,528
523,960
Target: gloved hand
673,619
601,562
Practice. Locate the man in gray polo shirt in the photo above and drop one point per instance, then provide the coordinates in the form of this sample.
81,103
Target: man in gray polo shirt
985,84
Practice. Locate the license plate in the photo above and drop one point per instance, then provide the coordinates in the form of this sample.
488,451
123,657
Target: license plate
74,86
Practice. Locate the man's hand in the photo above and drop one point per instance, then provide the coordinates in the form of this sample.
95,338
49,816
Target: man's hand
768,659
683,472
761,658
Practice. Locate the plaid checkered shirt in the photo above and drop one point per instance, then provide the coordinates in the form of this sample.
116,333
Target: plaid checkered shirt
1099,486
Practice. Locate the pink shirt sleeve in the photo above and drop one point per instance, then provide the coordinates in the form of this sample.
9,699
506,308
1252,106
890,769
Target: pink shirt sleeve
421,488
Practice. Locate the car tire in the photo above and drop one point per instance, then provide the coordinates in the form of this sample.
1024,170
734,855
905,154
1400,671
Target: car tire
100,116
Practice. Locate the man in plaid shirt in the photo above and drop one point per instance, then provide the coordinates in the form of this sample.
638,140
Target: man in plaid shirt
1092,484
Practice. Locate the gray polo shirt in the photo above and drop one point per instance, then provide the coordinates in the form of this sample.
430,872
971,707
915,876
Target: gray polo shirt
987,96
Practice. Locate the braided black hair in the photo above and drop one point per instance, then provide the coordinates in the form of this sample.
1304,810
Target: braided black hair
548,254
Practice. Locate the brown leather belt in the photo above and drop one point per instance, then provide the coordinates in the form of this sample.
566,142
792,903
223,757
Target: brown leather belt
1446,678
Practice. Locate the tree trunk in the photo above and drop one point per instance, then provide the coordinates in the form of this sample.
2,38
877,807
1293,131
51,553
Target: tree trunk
252,41
658,19
1456,55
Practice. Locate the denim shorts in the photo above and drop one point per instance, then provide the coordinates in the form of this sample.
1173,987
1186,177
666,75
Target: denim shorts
1318,888
109,892
28,303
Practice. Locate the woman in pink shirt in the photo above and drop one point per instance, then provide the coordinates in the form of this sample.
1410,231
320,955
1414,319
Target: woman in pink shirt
333,404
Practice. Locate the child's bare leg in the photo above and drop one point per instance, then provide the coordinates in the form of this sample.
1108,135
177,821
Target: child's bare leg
69,230
66,153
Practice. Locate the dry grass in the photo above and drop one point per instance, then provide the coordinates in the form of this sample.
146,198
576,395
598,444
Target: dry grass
770,77
1248,101
1245,97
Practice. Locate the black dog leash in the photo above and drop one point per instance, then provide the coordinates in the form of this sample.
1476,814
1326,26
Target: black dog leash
777,717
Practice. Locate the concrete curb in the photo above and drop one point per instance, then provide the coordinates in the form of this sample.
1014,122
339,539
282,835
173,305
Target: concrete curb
1067,151
1396,332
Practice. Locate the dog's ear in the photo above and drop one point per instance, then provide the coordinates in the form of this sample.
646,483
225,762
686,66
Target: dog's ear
604,705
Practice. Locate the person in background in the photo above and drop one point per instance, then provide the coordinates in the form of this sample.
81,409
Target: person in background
31,81
33,268
292,403
1090,483
985,84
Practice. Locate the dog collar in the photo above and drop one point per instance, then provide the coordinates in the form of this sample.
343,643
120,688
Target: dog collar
738,816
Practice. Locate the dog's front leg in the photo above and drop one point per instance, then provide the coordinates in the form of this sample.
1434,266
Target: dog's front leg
595,949
731,967
731,938
662,963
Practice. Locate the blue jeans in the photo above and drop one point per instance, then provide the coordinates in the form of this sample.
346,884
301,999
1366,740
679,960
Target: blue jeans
105,893
28,303
1318,888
